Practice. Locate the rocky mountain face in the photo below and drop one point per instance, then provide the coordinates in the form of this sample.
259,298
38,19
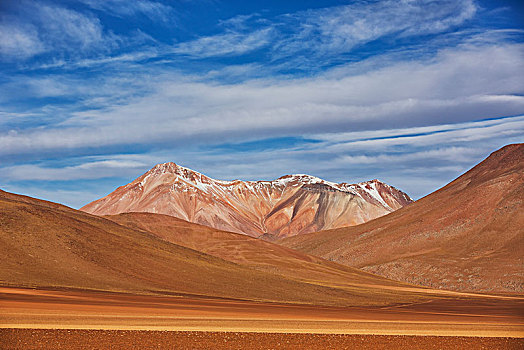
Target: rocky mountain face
288,206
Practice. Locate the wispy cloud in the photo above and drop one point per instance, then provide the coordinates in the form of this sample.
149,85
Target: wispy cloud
66,29
58,33
301,40
156,11
19,41
88,170
416,159
230,43
36,28
330,31
340,29
456,86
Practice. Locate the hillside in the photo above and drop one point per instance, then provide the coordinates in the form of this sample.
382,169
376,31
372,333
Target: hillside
47,245
250,252
466,236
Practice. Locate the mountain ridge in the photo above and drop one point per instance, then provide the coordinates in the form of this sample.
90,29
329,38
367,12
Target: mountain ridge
292,204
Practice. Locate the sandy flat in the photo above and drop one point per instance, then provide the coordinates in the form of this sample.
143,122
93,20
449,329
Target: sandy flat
75,309
122,339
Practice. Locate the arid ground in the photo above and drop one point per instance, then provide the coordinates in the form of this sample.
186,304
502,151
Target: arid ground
122,339
65,319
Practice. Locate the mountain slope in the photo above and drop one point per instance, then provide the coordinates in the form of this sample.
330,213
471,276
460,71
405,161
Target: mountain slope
469,235
247,251
44,244
290,205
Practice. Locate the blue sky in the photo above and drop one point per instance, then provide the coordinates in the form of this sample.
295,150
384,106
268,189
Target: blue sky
93,93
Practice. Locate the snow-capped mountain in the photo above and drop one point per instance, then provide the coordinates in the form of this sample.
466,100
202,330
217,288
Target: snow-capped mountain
287,206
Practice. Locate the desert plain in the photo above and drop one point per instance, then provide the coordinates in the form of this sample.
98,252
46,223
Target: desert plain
87,319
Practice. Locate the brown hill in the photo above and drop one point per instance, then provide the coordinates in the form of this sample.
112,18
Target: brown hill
247,251
44,244
290,205
469,235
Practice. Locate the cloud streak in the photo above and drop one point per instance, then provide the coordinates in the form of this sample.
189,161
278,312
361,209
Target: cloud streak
56,33
415,159
230,43
340,29
19,41
156,11
455,86
88,170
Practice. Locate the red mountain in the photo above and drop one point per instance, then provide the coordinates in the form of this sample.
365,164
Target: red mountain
290,205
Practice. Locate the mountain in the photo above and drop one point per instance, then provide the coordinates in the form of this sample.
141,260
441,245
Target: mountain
46,245
290,205
467,236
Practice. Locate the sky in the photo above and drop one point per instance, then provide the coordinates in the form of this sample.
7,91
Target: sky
93,93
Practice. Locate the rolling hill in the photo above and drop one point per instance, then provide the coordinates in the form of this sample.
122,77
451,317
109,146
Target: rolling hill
248,251
46,245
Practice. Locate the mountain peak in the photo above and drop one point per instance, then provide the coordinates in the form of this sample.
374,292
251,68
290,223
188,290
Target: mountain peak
302,179
171,167
286,206
180,172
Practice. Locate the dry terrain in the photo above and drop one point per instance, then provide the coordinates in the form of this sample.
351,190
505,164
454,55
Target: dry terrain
48,245
120,339
290,205
96,283
466,236
61,339
251,252
464,315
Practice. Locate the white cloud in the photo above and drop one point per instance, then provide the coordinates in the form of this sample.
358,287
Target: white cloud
67,29
461,133
152,9
19,41
330,31
339,29
230,43
238,22
88,170
38,27
455,86
409,118
90,62
428,154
